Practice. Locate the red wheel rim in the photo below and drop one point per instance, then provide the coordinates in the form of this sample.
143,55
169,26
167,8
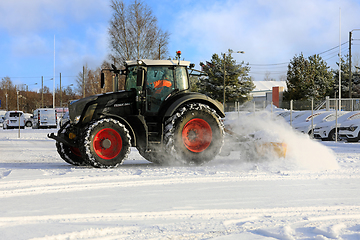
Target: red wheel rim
107,143
75,151
197,135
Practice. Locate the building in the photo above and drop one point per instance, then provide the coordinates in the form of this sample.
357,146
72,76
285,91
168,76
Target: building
266,92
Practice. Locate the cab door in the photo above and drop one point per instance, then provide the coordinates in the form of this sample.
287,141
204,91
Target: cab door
159,85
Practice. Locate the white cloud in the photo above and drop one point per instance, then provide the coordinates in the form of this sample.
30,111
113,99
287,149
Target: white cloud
268,31
30,45
23,16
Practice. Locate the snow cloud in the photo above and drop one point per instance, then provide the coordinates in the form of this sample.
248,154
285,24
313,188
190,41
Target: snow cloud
302,153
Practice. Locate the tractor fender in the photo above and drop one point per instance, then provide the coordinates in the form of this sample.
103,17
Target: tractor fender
127,125
189,97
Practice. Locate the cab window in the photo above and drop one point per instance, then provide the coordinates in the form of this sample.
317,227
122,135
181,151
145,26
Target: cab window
131,78
181,78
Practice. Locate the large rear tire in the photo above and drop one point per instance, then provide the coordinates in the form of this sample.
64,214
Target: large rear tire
69,154
106,143
194,134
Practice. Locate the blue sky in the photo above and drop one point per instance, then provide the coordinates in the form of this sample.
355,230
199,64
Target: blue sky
270,32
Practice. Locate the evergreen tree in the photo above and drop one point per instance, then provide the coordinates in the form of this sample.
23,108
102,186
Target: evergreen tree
355,86
307,78
238,83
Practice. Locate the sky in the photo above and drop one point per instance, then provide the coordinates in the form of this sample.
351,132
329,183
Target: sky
39,36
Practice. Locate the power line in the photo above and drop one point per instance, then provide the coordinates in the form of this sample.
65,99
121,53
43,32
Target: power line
332,48
272,64
277,64
38,77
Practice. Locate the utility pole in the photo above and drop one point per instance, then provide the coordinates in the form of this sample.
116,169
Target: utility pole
159,52
42,91
60,93
224,82
350,73
6,96
83,81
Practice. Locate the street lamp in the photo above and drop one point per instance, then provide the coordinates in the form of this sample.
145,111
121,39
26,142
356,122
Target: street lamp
225,77
17,100
6,96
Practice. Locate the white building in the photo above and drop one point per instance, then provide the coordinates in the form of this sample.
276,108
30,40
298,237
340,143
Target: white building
266,92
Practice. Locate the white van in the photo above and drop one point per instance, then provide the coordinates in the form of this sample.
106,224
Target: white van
45,118
14,119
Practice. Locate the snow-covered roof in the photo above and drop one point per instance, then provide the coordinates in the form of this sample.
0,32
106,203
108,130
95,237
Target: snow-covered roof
268,85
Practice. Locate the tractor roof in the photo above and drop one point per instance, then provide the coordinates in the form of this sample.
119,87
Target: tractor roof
148,62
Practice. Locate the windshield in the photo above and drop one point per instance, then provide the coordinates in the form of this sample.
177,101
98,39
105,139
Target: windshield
176,77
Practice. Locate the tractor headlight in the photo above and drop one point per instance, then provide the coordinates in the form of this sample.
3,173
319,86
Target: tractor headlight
77,119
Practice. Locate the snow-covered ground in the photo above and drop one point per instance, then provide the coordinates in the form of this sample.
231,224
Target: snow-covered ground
313,193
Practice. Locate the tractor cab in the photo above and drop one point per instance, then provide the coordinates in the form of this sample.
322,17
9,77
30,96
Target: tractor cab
156,80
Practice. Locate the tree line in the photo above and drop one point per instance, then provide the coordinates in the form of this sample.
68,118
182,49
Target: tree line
312,78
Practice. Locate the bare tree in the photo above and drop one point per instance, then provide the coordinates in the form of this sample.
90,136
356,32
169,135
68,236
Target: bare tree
90,80
134,33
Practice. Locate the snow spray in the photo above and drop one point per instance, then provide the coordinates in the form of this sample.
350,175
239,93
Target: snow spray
265,127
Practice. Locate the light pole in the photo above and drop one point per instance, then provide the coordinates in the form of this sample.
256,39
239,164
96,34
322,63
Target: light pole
6,96
17,100
224,85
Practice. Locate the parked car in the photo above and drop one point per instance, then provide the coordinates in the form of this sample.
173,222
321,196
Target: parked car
326,130
1,120
28,119
14,119
317,117
350,130
291,116
44,118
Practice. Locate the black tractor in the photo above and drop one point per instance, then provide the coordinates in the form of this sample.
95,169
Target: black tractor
156,113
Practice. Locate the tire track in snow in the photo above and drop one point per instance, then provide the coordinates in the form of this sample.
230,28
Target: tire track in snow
5,174
31,188
270,222
235,216
87,183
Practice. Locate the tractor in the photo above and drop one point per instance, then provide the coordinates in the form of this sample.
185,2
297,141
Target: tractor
156,113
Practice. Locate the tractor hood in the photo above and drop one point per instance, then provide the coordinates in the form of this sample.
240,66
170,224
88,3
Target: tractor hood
114,103
76,107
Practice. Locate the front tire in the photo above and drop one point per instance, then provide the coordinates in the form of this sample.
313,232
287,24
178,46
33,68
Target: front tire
332,136
194,134
69,154
106,143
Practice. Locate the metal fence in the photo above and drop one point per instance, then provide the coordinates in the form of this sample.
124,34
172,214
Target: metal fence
329,104
346,104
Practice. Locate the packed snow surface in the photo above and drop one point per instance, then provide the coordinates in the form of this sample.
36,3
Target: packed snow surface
312,193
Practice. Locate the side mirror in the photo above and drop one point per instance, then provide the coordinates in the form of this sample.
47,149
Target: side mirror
102,80
140,77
